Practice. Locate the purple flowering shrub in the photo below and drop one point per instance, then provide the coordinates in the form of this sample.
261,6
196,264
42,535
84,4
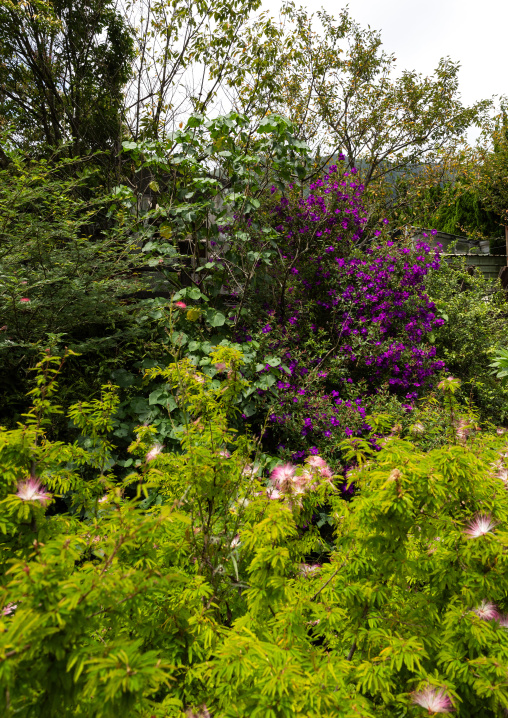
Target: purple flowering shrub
350,324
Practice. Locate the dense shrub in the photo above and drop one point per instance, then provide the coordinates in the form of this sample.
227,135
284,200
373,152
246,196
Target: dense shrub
67,276
475,323
198,585
351,325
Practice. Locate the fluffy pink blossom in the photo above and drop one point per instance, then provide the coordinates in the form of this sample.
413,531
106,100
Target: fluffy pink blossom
250,471
273,493
224,453
10,608
487,611
32,490
181,305
480,525
235,542
24,300
320,464
418,428
503,474
434,700
220,366
154,452
307,569
282,477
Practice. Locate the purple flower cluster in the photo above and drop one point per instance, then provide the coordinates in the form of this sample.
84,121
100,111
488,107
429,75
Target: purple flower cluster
370,305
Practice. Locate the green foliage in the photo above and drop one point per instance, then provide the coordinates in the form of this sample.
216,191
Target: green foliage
71,88
206,175
63,279
180,589
474,326
500,363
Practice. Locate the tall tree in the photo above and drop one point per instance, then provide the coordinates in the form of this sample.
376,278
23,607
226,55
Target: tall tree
491,176
63,67
342,91
186,50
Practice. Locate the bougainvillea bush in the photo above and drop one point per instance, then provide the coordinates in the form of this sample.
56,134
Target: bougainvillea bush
350,318
199,585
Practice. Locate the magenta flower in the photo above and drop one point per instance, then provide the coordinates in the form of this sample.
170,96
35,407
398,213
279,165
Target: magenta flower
487,611
181,305
32,490
434,700
481,525
154,452
24,300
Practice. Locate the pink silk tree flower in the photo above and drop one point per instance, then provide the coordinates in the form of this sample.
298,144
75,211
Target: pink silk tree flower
503,621
32,490
10,608
303,480
487,611
480,526
434,700
308,569
154,452
25,300
282,477
320,464
181,305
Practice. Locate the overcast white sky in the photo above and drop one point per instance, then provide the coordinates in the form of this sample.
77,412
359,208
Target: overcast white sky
420,32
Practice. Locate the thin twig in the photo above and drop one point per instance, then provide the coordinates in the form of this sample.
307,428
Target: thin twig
330,579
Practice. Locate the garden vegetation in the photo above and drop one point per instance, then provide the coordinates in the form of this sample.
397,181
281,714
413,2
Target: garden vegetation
253,444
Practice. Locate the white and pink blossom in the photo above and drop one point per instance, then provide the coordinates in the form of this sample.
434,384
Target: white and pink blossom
480,526
282,477
274,494
10,608
320,464
435,700
308,569
154,452
487,611
32,490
